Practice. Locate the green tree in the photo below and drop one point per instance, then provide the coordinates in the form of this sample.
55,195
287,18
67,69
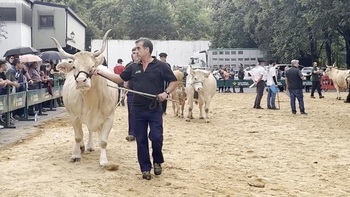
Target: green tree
228,26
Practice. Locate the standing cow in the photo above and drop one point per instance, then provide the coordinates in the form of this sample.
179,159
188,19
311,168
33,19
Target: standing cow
340,78
88,99
179,95
200,88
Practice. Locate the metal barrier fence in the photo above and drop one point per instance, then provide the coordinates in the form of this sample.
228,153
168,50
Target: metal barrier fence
13,101
247,83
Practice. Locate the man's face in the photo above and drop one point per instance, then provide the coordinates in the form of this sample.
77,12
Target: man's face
141,51
21,65
163,59
3,67
315,64
135,57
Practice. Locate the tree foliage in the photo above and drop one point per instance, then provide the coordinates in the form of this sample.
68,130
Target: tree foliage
316,30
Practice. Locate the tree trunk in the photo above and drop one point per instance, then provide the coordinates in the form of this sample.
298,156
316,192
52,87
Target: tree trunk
345,32
328,48
313,45
347,46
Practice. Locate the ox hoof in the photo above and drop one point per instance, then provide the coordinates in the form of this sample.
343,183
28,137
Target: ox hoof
188,120
75,160
91,149
201,117
207,121
82,149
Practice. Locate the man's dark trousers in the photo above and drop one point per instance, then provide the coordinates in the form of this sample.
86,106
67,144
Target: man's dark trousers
260,91
297,94
154,119
316,85
130,97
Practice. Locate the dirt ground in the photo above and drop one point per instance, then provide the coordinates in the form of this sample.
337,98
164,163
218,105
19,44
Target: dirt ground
242,152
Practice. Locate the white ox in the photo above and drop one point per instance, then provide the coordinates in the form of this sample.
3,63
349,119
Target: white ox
204,83
179,95
340,78
88,99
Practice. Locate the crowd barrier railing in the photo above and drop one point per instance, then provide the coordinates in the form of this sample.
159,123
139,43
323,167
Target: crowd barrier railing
14,101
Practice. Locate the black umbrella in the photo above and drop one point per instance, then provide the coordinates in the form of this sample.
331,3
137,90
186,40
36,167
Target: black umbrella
51,55
20,51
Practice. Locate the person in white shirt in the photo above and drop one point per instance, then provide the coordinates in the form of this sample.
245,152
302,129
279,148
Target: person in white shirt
271,80
259,77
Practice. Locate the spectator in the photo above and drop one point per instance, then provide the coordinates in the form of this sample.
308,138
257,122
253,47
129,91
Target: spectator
258,75
294,82
316,74
117,70
241,76
130,97
17,74
226,76
35,76
163,57
271,82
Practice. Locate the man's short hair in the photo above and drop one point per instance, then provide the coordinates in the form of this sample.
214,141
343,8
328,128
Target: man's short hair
163,54
146,43
133,49
119,61
3,62
294,62
261,61
16,61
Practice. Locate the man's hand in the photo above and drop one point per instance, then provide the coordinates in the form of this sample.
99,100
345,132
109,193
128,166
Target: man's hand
16,84
95,71
163,96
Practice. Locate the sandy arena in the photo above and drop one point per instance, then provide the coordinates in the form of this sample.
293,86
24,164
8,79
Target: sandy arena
242,152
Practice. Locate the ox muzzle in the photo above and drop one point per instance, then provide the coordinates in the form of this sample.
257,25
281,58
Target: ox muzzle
81,79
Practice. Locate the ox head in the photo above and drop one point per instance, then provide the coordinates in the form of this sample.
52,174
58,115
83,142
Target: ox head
81,64
196,79
329,69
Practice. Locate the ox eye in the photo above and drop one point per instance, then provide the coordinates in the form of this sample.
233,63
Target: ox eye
195,79
73,67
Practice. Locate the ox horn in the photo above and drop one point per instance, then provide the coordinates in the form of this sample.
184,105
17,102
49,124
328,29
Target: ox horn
61,50
97,53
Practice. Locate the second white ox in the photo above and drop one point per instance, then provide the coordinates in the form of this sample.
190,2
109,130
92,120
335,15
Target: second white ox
340,78
202,84
88,99
179,95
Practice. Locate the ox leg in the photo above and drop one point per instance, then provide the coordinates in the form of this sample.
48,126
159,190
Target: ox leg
106,128
182,109
189,115
178,110
79,142
174,107
338,91
90,145
201,111
206,109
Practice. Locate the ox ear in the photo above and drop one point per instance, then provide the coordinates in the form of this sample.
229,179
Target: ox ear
206,75
65,67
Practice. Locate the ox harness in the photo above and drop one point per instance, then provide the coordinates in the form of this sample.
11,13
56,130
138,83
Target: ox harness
88,75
